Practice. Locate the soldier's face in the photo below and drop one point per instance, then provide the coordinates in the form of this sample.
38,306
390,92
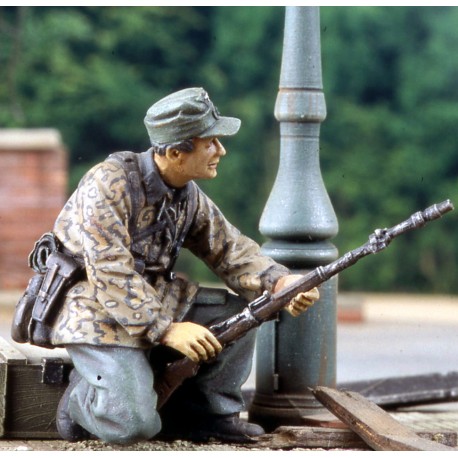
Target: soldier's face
203,161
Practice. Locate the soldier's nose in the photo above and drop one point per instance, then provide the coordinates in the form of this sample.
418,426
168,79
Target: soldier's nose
220,148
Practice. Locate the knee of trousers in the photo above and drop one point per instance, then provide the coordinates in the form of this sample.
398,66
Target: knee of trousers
109,401
130,425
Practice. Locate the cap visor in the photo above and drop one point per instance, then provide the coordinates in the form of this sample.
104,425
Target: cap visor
223,127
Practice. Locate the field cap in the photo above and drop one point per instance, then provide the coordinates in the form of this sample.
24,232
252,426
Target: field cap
187,114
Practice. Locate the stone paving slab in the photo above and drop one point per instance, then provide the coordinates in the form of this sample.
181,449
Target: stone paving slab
440,420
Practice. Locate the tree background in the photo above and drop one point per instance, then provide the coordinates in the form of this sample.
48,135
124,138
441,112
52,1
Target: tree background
388,145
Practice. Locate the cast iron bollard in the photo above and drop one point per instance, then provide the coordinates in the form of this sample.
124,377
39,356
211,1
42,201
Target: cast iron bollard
295,354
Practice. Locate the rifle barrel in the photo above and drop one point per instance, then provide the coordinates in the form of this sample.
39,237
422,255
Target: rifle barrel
268,305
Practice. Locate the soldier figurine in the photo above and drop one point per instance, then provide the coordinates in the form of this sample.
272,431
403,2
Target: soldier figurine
125,225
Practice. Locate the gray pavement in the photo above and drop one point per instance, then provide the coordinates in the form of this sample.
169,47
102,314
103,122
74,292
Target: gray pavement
399,335
384,349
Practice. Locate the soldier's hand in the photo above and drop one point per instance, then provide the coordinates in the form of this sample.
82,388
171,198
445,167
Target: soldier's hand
303,301
193,340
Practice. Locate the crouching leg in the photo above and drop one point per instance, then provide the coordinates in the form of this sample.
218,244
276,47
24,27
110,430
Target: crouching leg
110,396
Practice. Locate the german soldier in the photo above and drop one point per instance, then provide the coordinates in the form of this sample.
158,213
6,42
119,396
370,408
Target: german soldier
125,224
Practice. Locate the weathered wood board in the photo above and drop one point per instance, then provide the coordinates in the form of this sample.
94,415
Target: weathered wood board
407,390
290,437
287,437
32,381
375,426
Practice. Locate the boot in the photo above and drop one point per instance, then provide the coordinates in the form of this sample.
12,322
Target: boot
68,429
225,428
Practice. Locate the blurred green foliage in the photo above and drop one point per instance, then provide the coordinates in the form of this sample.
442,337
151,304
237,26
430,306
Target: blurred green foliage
388,145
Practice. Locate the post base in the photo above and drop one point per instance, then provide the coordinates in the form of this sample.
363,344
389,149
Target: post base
274,410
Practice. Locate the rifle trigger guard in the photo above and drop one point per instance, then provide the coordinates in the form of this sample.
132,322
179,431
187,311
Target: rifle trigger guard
253,306
261,300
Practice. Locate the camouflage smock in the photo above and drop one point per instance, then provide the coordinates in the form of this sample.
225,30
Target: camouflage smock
116,305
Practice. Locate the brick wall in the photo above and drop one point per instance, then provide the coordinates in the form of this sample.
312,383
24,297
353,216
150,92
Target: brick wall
33,188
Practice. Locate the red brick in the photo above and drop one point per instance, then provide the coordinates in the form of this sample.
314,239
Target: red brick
33,187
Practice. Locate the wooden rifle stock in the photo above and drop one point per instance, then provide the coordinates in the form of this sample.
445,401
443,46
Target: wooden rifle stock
268,305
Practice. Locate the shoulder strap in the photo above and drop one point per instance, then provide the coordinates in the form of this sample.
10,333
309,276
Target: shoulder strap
129,162
190,213
191,208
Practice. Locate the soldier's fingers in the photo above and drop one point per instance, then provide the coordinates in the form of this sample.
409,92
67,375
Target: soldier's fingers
192,355
294,312
188,351
302,301
207,348
313,294
308,298
295,308
214,345
200,350
210,350
213,341
301,306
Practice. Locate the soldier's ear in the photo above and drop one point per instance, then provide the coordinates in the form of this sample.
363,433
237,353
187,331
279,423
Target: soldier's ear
172,154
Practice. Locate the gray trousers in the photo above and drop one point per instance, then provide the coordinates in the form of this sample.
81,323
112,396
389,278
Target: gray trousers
115,400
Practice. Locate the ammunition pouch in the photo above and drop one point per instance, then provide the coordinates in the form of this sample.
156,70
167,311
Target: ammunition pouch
36,310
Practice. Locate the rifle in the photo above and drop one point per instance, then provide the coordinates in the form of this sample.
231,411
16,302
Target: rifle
268,305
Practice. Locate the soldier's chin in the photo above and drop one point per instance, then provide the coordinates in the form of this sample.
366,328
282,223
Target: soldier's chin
212,173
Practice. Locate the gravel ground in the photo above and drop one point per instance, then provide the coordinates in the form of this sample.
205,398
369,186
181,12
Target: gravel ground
177,445
96,446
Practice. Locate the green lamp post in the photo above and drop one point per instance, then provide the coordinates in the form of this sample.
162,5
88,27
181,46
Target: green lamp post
294,354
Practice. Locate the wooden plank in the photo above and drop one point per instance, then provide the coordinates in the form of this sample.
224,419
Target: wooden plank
32,381
13,446
9,354
409,390
375,426
35,355
3,374
30,404
287,437
31,445
44,445
323,419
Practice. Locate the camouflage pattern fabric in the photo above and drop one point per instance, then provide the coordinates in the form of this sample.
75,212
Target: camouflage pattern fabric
116,305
